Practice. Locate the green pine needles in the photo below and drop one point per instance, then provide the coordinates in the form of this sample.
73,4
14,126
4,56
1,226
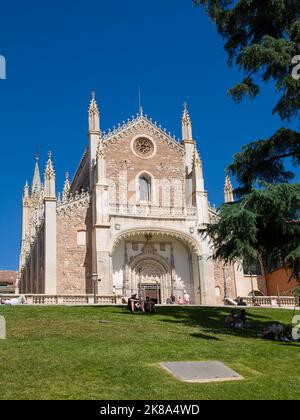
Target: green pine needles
262,38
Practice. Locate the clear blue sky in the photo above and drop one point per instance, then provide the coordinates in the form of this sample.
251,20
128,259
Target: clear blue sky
58,51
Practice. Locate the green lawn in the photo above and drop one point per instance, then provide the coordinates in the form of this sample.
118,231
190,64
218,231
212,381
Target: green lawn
66,353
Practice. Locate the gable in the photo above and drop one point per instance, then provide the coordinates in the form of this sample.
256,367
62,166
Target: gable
140,124
141,148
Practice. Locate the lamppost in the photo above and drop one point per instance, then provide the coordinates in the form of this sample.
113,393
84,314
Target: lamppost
158,289
140,282
252,287
95,286
278,293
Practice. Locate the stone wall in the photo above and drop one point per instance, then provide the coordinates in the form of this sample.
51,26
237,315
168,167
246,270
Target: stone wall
74,254
280,281
167,163
171,251
32,279
220,282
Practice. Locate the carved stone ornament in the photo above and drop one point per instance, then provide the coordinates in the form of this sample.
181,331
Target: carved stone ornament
144,147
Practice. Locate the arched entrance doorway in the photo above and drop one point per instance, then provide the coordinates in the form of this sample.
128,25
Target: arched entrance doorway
152,277
157,262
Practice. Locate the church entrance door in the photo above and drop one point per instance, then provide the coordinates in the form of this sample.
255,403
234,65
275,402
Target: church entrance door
151,291
151,278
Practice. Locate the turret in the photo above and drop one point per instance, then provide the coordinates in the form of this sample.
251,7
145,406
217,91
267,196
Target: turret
94,116
228,191
50,230
94,136
36,181
187,140
67,187
187,133
50,179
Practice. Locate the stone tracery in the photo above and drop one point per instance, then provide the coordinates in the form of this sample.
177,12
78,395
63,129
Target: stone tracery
144,147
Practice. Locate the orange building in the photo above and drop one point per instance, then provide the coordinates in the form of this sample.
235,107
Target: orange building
280,281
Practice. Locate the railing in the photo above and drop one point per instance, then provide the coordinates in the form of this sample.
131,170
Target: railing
67,299
145,210
284,301
263,301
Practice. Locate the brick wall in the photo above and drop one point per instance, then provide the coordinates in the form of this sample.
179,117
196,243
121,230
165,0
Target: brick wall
74,262
280,279
32,278
167,163
219,281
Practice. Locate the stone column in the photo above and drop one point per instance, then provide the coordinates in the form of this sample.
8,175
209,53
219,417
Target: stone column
201,279
37,287
50,247
50,230
207,280
102,264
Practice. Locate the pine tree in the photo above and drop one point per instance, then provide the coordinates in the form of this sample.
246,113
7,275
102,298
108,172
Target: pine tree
263,225
261,39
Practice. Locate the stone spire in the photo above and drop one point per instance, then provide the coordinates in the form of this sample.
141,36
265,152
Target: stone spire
94,116
187,134
50,229
36,181
26,193
50,178
228,190
67,188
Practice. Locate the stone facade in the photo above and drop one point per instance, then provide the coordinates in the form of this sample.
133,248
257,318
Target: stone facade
74,254
135,215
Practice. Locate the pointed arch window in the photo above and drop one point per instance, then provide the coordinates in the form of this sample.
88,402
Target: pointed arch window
145,188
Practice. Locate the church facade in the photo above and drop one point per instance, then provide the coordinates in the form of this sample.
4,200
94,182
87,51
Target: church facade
134,216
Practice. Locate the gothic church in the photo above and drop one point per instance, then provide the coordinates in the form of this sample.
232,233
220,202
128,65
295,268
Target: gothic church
132,220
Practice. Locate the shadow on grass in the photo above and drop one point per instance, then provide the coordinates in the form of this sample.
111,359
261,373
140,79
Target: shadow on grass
211,321
205,337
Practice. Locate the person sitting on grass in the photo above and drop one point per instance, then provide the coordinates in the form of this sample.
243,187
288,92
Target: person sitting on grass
230,319
242,320
277,332
132,303
140,304
15,301
238,321
136,303
186,298
241,302
180,301
149,306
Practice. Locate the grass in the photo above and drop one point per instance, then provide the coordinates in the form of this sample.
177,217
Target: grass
66,353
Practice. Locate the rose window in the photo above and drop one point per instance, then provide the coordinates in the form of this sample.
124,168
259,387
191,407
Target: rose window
144,147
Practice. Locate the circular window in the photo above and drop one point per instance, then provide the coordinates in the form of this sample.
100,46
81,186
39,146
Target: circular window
144,147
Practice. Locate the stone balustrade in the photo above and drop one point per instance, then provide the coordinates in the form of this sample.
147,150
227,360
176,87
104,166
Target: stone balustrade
152,211
68,299
263,301
283,301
